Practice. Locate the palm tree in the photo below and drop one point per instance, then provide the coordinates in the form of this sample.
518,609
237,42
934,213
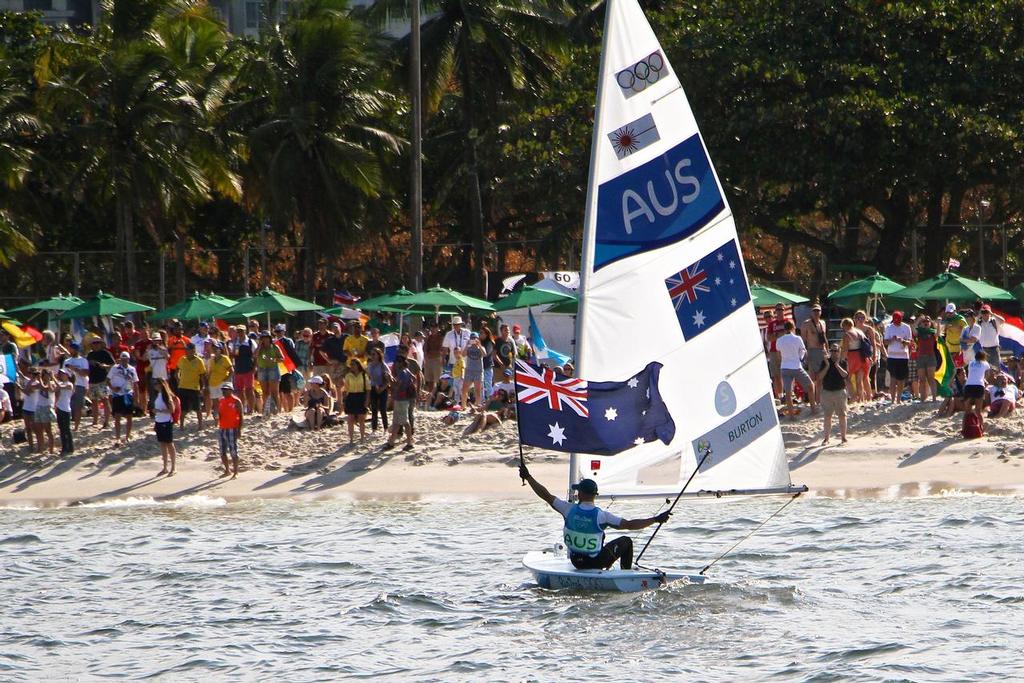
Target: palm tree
18,129
311,102
485,52
132,118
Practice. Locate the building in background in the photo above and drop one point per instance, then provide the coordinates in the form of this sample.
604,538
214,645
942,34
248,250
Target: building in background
70,12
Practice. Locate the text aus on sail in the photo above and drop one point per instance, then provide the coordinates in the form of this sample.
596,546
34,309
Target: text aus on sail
658,203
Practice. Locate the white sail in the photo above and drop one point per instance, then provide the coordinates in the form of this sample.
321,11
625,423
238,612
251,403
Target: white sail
663,280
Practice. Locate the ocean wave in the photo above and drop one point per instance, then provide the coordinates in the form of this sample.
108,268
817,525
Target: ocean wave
20,539
193,501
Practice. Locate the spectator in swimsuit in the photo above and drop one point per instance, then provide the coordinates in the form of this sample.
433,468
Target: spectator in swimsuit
318,402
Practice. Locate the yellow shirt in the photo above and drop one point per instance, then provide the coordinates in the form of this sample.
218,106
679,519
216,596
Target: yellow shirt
459,368
189,372
220,370
357,384
355,345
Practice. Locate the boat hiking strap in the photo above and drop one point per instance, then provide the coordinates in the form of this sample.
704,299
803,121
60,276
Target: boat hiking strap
754,531
672,507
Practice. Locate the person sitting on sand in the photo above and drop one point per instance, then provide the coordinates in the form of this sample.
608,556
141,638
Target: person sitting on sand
585,524
955,402
443,397
229,420
318,402
833,394
1003,397
490,415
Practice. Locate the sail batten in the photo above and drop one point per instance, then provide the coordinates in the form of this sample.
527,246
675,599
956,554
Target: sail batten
663,279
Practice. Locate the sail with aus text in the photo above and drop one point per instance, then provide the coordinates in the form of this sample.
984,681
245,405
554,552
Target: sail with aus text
663,281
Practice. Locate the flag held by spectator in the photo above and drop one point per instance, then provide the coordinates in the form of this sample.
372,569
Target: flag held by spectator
540,348
1011,333
573,415
287,365
945,371
8,368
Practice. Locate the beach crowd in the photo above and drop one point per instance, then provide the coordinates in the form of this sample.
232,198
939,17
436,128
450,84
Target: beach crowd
342,374
955,357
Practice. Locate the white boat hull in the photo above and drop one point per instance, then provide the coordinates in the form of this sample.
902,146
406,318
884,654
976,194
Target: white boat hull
554,571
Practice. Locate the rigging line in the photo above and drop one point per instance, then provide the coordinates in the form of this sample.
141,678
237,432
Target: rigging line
759,354
519,432
754,531
707,453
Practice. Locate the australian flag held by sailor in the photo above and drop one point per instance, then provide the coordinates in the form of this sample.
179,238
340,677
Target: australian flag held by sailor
569,414
706,292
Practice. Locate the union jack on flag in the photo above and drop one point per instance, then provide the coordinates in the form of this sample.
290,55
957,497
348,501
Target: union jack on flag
541,384
709,290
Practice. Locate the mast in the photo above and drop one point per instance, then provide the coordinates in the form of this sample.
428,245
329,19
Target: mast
589,225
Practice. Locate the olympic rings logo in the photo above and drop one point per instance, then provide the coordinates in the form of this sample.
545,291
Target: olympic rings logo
647,71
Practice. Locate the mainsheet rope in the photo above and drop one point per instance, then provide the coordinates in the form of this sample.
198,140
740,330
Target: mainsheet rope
672,507
754,531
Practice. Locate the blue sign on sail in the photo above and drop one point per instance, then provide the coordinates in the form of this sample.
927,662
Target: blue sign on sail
658,203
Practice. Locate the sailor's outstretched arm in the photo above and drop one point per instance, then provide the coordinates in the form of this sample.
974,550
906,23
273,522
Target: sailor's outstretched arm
634,524
537,487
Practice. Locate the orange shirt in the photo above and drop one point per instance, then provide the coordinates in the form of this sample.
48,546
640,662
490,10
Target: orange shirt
229,412
175,350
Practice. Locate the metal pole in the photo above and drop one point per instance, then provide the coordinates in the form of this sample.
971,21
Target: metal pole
1006,274
416,191
163,280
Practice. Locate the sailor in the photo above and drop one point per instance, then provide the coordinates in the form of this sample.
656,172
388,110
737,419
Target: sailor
585,524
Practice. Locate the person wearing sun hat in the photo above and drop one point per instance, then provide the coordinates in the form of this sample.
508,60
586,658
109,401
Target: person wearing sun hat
953,325
455,338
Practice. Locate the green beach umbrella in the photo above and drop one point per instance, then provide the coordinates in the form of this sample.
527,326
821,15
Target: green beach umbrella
949,286
531,296
571,307
56,303
375,303
439,301
104,304
196,307
1018,292
266,302
769,296
869,286
4,316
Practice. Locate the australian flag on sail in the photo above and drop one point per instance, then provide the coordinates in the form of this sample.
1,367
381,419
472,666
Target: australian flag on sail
569,414
705,292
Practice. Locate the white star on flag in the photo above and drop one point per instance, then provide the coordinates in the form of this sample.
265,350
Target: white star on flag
718,280
732,264
721,257
611,414
632,382
639,441
733,302
557,434
698,319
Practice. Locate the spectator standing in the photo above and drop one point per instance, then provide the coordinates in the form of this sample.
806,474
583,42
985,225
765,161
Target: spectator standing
473,374
406,391
375,343
792,352
974,389
176,347
140,359
356,398
774,329
989,325
163,424
157,356
380,381
220,370
334,350
286,384
229,422
319,359
455,339
268,358
416,348
244,357
9,348
100,362
833,395
6,406
123,381
65,392
29,376
487,344
458,373
79,369
812,331
433,362
203,341
43,415
505,353
927,361
417,375
898,338
304,352
192,376
355,343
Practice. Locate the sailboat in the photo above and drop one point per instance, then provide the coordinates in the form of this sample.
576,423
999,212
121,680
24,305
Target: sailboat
662,279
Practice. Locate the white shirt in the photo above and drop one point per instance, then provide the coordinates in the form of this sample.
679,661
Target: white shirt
1010,393
44,399
989,336
604,518
122,379
81,364
161,409
893,335
792,348
970,331
507,386
976,373
28,399
64,399
455,340
157,362
202,345
5,402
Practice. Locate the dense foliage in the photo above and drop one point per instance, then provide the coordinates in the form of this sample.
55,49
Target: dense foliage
838,129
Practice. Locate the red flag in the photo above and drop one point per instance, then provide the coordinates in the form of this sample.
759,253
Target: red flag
288,363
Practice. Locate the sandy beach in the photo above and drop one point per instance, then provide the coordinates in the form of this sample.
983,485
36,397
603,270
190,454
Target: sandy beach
892,452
